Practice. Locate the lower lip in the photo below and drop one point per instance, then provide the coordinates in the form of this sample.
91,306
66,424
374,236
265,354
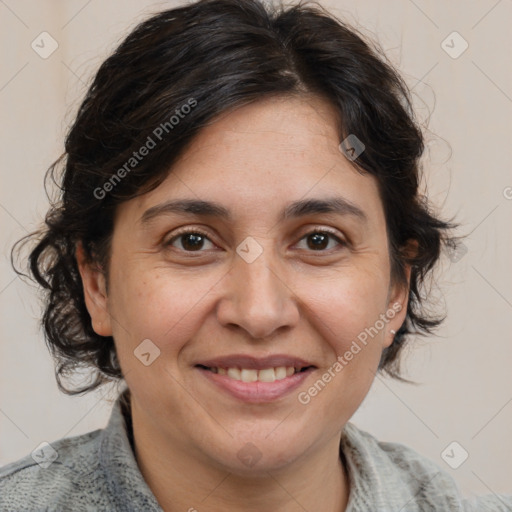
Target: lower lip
257,392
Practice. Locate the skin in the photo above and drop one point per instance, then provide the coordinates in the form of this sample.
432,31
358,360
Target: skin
210,302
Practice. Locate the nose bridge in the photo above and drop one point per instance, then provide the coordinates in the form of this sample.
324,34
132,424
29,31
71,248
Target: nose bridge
258,279
260,301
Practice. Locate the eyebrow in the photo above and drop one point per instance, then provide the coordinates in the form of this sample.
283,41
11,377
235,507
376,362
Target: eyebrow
296,209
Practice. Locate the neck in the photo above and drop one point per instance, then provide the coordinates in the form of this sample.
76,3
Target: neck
181,481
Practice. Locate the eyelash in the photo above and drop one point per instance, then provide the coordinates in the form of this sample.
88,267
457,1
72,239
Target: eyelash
324,231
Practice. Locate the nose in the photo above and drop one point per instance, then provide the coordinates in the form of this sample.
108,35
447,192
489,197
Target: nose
258,297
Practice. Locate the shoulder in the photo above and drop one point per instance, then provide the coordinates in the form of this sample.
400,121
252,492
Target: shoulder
395,475
58,473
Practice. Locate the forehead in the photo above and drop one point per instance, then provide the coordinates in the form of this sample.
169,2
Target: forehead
263,155
269,133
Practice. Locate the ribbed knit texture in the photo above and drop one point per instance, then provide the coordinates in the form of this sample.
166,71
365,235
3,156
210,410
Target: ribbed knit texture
98,472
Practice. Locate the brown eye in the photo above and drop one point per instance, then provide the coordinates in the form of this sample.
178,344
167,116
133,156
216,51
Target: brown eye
319,240
191,241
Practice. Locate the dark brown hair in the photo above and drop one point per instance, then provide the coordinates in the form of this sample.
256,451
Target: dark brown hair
215,56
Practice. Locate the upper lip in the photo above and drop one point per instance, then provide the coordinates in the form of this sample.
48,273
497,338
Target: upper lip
255,363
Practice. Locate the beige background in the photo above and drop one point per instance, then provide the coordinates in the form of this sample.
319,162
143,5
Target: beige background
464,374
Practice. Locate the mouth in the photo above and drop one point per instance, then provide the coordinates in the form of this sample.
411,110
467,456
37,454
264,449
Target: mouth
255,380
270,374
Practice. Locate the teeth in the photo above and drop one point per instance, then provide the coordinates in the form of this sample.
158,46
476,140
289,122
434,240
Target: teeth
269,374
234,373
250,375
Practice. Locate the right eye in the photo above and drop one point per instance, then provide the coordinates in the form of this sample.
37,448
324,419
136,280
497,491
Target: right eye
192,240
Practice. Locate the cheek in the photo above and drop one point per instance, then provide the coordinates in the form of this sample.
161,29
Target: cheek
347,316
158,304
347,306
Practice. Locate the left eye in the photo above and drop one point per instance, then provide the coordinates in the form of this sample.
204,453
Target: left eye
317,240
193,241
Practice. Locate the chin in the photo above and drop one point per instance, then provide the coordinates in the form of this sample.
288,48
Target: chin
258,455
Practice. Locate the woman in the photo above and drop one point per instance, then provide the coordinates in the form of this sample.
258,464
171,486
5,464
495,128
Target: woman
241,241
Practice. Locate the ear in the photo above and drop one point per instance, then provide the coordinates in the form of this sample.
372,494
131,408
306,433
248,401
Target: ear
95,294
398,297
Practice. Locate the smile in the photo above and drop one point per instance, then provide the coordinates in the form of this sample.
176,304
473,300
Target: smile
249,385
252,375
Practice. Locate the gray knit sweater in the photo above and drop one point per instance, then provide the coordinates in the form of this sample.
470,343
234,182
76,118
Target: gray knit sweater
97,471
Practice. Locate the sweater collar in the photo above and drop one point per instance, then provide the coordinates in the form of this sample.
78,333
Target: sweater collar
124,480
374,480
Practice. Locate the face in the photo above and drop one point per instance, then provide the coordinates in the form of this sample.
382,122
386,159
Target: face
304,287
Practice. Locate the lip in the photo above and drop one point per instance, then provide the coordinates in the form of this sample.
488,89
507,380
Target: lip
255,363
256,392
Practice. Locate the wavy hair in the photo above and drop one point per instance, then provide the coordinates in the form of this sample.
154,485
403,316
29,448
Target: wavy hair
223,54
